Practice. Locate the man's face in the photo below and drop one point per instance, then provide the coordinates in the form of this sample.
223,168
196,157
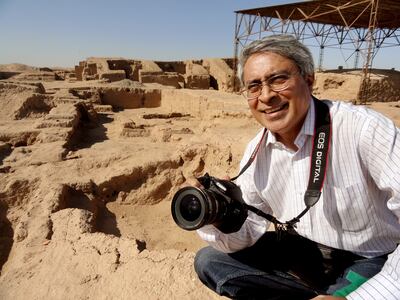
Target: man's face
281,112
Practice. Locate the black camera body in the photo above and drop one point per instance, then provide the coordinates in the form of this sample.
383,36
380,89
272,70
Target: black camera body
219,203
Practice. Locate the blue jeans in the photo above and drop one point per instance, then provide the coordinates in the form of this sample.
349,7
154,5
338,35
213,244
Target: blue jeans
292,268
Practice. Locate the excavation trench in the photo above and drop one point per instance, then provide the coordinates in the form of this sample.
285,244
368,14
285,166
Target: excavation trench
137,205
132,200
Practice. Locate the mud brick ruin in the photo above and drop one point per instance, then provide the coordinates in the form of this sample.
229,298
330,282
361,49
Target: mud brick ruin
192,74
90,158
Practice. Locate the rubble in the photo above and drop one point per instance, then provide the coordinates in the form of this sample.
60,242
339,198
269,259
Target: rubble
88,168
190,74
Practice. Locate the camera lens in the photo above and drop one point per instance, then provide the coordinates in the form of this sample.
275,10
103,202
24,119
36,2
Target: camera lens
190,208
220,204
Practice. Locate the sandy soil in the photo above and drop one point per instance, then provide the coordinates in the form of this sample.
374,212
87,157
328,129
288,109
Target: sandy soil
86,186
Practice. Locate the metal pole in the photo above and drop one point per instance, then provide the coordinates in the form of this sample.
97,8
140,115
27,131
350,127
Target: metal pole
356,58
321,57
366,77
235,53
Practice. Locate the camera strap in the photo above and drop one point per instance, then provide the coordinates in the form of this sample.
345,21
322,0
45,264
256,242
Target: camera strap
319,162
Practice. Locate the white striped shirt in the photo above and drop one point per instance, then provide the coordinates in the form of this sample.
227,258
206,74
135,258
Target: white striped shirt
359,209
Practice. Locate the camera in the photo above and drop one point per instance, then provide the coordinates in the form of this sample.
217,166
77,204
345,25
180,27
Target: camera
219,203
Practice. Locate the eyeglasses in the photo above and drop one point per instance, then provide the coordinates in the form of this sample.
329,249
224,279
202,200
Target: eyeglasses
276,83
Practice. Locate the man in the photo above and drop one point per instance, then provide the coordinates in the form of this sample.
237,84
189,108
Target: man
346,245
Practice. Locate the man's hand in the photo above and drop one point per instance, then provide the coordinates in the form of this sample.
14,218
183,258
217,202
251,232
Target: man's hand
327,297
191,181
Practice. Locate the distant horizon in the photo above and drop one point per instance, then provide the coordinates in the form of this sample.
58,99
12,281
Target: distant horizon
331,67
323,70
47,33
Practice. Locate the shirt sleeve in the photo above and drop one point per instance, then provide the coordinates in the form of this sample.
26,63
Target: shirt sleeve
380,147
254,226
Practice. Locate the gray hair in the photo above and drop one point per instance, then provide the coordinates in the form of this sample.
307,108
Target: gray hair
284,45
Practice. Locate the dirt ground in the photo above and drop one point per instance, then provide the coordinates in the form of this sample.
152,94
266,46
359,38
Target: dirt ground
86,185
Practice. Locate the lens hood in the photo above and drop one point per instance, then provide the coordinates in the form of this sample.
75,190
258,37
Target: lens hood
189,208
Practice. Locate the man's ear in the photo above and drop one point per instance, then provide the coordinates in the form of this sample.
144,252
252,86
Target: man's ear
310,80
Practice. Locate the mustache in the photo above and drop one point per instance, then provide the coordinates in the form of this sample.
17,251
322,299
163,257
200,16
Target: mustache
272,103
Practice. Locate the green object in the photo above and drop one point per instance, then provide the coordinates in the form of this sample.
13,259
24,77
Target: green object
355,281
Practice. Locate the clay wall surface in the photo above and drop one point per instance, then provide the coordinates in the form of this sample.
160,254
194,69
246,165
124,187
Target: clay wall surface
193,74
221,74
7,74
150,66
204,103
79,72
385,86
195,69
197,82
230,62
36,76
22,100
168,78
109,69
196,76
135,67
34,86
113,75
336,86
91,69
119,64
128,66
172,66
100,62
130,98
344,85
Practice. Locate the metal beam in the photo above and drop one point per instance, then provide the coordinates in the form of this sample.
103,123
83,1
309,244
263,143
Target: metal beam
363,42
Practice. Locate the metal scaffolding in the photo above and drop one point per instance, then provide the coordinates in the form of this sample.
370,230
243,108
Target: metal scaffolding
361,26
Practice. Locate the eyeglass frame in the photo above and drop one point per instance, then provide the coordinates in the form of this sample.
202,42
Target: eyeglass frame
267,83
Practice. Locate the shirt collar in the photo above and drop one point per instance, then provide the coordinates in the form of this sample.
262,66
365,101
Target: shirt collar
306,129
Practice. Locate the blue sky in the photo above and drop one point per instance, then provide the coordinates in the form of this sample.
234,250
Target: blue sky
62,33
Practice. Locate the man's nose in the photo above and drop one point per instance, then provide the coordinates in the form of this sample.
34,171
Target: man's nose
266,93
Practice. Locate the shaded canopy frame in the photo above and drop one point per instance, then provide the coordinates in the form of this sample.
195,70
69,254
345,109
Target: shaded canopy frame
362,26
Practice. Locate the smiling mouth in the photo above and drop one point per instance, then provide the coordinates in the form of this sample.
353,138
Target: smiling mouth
276,109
